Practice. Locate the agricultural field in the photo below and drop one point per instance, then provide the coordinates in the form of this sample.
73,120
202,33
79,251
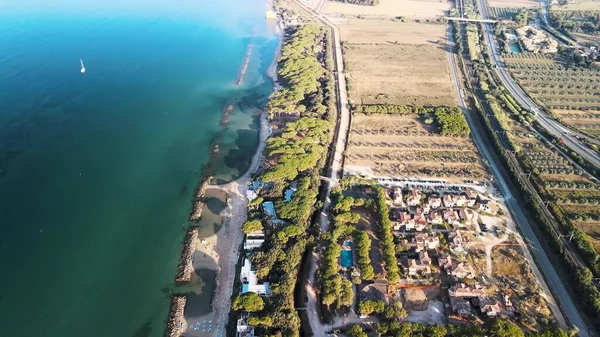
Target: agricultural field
390,31
503,12
391,8
399,74
514,3
585,121
578,5
555,86
408,147
577,196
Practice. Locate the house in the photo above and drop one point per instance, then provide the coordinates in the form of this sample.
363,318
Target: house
420,222
487,205
456,269
451,217
397,196
468,217
413,198
377,291
411,222
489,307
460,201
435,218
422,209
414,267
462,270
464,291
242,327
456,241
460,306
434,202
445,262
250,281
254,240
425,241
448,200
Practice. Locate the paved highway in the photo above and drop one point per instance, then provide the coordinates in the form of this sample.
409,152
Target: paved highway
551,125
553,281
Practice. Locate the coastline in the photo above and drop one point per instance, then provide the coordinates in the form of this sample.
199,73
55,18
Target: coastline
220,251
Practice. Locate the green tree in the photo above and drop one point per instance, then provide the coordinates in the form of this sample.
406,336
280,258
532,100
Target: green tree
369,307
252,226
503,328
250,302
356,331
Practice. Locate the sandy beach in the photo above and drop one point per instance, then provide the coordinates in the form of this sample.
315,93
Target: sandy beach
220,251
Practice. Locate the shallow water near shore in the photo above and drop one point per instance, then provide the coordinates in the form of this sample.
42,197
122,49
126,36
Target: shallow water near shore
97,170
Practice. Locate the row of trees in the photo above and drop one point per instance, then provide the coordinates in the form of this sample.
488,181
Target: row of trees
496,328
452,122
363,246
385,236
449,120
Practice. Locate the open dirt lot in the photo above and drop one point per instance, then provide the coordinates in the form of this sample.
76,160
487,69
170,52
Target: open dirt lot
392,8
511,268
513,3
403,146
388,31
400,74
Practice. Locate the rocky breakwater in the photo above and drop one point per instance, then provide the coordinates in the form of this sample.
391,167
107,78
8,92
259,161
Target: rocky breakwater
198,201
176,321
185,269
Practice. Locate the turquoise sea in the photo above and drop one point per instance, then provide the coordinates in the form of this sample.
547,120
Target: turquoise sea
97,170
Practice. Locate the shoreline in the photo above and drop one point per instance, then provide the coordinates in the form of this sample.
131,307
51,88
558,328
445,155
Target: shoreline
224,246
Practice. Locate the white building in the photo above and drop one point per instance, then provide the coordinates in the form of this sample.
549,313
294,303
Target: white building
254,240
250,281
243,329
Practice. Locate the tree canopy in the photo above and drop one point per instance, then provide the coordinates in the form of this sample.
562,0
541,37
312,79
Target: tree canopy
252,226
250,302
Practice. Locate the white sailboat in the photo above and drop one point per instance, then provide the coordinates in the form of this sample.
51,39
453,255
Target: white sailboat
82,66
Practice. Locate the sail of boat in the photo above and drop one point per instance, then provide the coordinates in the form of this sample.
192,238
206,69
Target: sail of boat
82,66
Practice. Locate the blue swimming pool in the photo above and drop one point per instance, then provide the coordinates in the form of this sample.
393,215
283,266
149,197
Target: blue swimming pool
269,208
346,258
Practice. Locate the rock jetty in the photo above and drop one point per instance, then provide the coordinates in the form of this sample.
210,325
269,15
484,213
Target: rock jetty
176,321
185,268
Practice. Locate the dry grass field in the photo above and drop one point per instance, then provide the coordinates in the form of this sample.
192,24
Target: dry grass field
513,271
403,146
392,8
586,121
400,74
513,3
388,31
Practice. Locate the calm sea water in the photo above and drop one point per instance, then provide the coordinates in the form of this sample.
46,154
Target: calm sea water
97,169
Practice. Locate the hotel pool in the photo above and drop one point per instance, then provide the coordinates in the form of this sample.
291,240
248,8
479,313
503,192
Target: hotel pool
346,258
